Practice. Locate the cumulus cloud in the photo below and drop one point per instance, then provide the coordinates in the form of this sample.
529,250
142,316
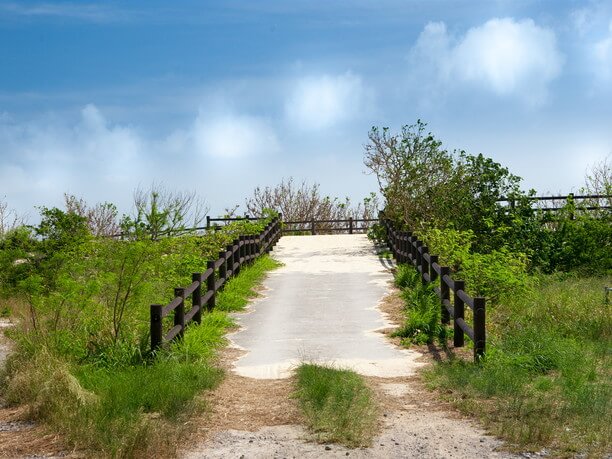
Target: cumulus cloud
233,136
507,57
323,101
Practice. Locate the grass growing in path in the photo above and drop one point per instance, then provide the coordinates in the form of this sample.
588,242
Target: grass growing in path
130,410
337,404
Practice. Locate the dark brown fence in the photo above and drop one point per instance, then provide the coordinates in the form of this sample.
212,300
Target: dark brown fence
312,226
577,199
407,248
205,285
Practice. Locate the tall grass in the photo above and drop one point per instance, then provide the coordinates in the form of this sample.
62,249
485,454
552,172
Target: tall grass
337,404
129,410
547,377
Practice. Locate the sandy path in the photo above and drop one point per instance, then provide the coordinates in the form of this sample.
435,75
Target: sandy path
325,305
321,306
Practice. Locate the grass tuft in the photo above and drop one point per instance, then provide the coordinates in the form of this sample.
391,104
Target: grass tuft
338,405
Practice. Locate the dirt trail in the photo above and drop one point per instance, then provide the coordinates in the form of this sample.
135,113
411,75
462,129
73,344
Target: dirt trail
253,415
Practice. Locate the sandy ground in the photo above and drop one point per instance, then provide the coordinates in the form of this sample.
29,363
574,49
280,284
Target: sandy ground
253,415
321,306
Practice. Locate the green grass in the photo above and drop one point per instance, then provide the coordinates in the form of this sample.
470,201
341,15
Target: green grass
546,380
131,410
337,404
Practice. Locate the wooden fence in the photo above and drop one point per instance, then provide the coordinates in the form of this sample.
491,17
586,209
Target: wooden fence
205,285
578,200
350,225
407,248
312,226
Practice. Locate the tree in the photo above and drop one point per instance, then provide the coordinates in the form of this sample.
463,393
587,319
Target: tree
598,181
102,218
303,202
425,185
160,212
9,219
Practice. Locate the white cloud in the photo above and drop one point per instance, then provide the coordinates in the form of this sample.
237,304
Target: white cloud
82,11
232,136
507,57
324,101
602,53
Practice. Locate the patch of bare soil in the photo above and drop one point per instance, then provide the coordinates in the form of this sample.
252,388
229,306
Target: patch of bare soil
257,418
245,403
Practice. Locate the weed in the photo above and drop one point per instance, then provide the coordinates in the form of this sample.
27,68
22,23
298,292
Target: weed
337,404
546,378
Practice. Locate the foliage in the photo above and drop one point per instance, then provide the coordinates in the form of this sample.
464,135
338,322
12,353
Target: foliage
337,404
303,202
82,368
160,212
547,371
424,184
497,275
9,219
102,218
422,309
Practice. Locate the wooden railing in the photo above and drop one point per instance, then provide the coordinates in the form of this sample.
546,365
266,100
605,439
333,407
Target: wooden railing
350,225
312,226
576,198
205,285
407,248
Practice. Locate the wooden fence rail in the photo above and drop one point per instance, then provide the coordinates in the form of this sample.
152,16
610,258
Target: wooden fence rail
407,248
205,285
313,226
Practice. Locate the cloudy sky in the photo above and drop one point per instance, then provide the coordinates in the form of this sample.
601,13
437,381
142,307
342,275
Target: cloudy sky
98,98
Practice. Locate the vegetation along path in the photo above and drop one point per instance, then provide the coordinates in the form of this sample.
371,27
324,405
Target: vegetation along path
325,305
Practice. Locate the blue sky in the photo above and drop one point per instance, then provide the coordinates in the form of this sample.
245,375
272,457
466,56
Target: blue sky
98,98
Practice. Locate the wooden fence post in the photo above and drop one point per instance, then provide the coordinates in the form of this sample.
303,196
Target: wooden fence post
156,326
312,227
350,225
459,307
480,338
207,221
236,257
433,275
424,265
412,240
210,286
444,295
223,267
196,297
419,257
179,312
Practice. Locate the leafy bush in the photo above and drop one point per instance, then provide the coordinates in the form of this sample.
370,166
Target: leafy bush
496,275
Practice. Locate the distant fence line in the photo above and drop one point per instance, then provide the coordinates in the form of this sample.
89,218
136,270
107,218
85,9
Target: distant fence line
203,289
569,197
311,226
407,248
